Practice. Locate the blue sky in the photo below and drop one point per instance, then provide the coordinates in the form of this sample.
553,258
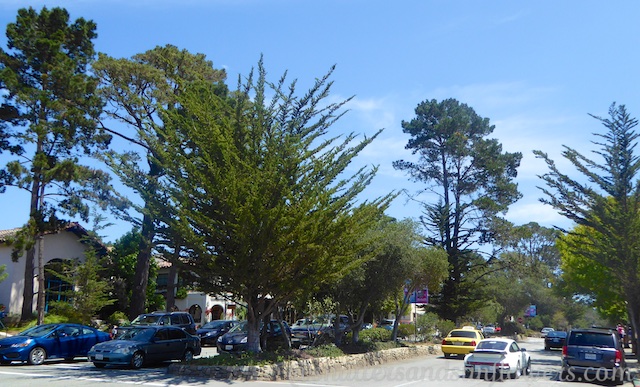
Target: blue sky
535,69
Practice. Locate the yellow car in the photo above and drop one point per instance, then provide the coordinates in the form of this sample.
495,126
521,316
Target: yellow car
461,341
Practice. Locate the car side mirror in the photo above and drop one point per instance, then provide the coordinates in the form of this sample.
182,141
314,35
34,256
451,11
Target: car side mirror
523,349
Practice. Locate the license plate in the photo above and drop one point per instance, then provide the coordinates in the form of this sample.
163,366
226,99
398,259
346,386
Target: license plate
99,356
480,369
228,347
590,356
457,343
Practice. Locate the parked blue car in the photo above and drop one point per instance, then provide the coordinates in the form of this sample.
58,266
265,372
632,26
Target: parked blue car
143,345
50,341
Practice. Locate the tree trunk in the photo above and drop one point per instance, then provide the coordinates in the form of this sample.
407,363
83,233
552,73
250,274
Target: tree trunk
141,277
253,325
34,203
41,282
171,281
27,294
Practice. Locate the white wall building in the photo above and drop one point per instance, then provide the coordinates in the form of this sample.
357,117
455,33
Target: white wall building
62,245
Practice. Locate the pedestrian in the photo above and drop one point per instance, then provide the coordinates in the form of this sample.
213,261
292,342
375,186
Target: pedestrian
621,332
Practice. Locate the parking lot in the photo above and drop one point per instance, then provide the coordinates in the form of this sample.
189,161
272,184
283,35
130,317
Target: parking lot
430,370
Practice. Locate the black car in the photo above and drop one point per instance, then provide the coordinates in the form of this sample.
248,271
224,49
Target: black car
555,339
210,331
236,339
594,354
179,319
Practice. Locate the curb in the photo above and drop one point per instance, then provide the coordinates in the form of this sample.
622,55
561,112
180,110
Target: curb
296,369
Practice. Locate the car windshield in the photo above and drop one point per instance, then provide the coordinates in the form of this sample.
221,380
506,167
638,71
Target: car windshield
38,331
499,345
146,319
137,334
241,327
214,324
469,334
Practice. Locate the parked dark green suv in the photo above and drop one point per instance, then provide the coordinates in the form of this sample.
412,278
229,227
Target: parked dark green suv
594,355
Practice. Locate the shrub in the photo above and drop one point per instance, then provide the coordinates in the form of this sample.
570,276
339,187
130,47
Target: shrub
511,328
118,318
375,335
445,326
327,350
406,330
427,323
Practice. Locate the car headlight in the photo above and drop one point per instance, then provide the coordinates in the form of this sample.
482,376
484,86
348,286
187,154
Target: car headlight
123,350
220,339
244,340
211,333
21,345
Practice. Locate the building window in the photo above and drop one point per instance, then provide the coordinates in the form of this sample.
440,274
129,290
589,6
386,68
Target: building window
56,288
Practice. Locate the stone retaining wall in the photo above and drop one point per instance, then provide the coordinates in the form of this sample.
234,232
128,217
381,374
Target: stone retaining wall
296,369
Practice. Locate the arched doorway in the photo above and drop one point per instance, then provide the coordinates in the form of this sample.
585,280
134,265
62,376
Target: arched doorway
196,312
216,312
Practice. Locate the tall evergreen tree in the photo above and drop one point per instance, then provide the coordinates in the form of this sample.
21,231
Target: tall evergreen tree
606,204
473,180
50,102
136,88
262,192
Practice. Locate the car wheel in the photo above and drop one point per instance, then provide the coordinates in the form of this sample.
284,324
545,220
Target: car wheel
447,355
620,377
37,356
137,360
188,356
518,372
547,348
467,373
527,371
99,365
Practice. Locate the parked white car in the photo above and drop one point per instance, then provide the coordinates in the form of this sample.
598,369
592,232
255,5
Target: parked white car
497,358
489,330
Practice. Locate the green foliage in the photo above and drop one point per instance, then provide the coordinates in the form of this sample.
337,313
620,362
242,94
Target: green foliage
3,275
118,318
181,293
49,318
45,84
583,276
327,350
536,323
475,182
91,291
375,334
427,323
135,89
263,188
606,240
406,330
445,326
510,328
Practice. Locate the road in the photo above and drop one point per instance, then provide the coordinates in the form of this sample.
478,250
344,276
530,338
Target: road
429,371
